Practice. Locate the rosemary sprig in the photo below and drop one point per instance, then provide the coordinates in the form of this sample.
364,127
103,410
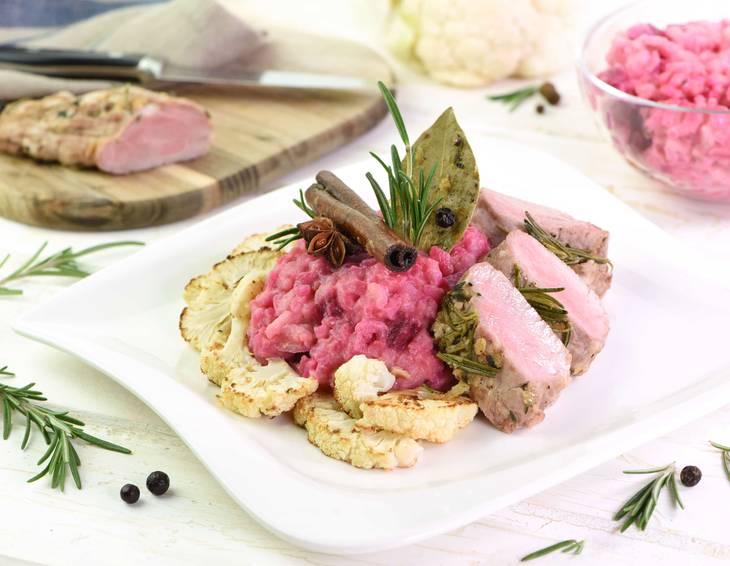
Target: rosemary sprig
515,98
568,254
60,264
566,546
406,208
550,309
58,429
639,508
725,450
285,237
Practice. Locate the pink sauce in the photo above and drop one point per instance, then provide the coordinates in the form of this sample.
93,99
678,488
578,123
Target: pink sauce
683,65
317,317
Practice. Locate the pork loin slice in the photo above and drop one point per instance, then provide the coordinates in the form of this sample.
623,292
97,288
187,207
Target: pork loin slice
538,267
533,365
119,130
497,215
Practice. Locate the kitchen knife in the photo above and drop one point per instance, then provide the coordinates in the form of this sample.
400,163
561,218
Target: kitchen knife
144,69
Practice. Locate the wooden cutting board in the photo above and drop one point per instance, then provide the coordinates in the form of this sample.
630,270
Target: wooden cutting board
258,137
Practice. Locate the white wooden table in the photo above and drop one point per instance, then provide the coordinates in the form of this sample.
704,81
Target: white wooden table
199,523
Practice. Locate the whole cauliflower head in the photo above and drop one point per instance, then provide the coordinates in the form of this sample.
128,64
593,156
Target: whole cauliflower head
358,379
477,42
337,435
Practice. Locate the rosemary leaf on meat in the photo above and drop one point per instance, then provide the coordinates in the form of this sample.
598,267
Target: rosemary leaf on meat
60,264
58,429
640,507
286,237
467,365
566,546
550,309
455,337
725,455
406,208
566,253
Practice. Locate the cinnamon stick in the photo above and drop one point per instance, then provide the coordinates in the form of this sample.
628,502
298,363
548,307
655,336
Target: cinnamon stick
357,220
338,189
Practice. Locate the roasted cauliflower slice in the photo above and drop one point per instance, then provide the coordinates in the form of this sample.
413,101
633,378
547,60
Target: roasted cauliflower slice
358,379
337,435
207,316
209,319
258,241
223,354
229,271
421,414
255,390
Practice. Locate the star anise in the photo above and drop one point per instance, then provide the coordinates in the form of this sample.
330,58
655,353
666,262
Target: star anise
323,239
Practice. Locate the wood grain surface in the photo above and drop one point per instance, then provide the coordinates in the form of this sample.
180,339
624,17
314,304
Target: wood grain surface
258,137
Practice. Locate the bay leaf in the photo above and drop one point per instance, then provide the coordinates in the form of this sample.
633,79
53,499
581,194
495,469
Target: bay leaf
455,182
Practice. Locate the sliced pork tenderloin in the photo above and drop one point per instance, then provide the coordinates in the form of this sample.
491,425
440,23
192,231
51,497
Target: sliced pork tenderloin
497,215
496,342
587,322
119,130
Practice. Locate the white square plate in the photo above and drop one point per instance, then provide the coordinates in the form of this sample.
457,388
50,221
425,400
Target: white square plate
666,362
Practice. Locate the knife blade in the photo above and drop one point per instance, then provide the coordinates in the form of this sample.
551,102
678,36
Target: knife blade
145,69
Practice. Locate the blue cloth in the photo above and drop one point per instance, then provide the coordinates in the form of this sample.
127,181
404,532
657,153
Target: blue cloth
45,13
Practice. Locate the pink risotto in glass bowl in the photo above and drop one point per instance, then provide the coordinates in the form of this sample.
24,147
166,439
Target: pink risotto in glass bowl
317,317
662,92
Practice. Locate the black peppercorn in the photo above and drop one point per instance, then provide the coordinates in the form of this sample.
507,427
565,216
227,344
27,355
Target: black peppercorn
158,482
540,109
445,217
129,493
690,476
550,93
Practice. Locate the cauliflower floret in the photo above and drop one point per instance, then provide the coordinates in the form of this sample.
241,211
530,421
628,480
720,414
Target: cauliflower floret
358,379
207,316
255,390
476,42
336,434
223,354
420,414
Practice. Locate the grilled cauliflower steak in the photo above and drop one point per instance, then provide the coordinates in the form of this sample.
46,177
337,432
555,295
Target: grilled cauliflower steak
418,414
207,316
337,435
223,354
358,379
255,390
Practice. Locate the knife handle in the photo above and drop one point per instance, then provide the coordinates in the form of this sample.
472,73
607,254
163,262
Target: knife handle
76,64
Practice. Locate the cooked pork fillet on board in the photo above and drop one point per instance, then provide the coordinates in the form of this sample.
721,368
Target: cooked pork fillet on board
485,322
497,215
537,267
120,130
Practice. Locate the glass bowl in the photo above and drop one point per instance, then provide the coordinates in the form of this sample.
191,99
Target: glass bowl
687,149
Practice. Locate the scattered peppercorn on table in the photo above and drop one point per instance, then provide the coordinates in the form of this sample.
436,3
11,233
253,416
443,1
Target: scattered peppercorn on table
195,521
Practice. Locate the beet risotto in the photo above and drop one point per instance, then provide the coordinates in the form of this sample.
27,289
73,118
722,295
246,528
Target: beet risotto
318,317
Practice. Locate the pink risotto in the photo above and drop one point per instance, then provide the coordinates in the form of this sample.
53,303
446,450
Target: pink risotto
682,65
318,317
